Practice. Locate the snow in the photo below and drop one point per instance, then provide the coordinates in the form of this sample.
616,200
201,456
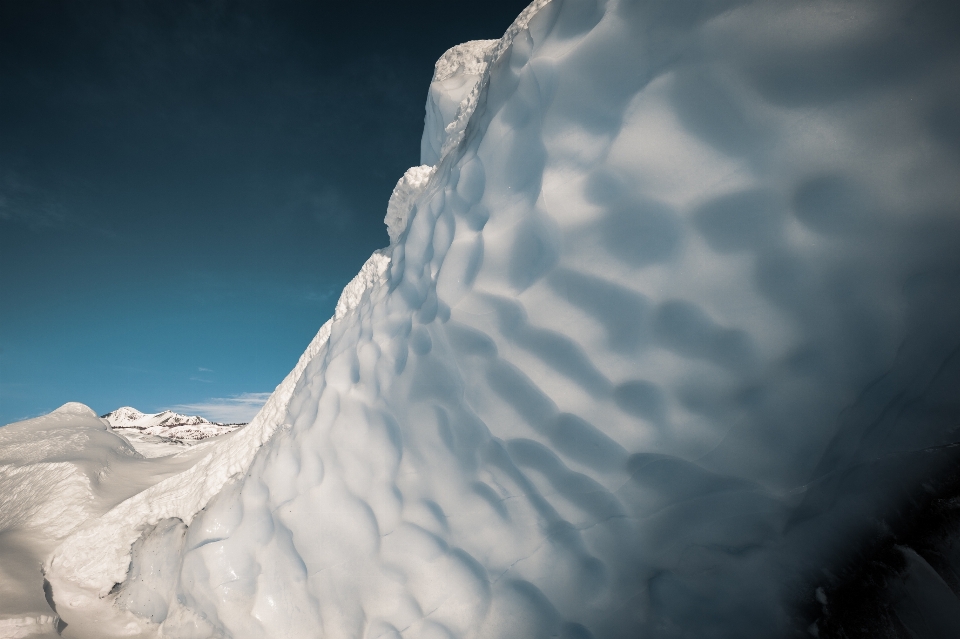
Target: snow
667,325
85,567
452,97
402,200
57,472
41,625
128,417
153,434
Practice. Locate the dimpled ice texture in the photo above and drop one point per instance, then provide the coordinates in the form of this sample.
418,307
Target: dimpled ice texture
666,267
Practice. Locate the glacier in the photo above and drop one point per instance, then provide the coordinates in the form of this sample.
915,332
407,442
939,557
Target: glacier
668,328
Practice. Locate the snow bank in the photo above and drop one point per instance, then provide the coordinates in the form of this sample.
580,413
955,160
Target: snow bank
28,627
667,324
50,467
57,472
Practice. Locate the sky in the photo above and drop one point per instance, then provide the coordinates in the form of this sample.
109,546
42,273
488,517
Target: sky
185,186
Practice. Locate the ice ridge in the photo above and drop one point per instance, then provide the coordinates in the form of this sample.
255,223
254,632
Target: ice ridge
667,328
88,564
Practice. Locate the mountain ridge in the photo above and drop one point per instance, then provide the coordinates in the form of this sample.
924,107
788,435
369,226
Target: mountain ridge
129,417
167,423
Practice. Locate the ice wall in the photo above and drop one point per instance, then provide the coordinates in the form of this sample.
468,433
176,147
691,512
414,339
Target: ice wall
670,320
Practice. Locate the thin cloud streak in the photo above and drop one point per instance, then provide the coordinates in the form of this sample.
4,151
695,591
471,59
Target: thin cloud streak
22,202
239,409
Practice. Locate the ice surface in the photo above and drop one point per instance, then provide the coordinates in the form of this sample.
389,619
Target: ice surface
87,565
57,472
403,199
452,97
668,320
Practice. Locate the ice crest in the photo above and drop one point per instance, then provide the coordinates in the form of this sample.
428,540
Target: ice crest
452,96
75,408
371,275
404,197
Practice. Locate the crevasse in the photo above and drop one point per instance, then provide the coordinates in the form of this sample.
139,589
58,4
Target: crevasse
669,314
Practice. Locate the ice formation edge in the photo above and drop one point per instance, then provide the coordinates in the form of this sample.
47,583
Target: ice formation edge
668,320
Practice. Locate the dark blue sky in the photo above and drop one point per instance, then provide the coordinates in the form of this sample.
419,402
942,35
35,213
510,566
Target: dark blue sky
185,187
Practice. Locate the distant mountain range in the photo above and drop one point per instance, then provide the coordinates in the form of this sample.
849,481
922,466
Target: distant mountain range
167,424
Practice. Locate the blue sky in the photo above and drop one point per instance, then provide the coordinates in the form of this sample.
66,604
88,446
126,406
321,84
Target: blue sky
185,187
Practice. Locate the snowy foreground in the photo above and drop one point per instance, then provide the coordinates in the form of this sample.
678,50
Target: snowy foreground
666,344
57,473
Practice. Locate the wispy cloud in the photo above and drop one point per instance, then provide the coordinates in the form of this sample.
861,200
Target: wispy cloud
23,202
320,296
237,409
205,370
325,204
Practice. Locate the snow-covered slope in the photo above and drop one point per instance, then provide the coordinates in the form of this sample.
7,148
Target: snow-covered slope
57,472
87,565
667,328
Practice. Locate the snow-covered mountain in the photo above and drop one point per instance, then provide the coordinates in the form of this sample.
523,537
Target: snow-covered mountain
167,424
664,345
127,417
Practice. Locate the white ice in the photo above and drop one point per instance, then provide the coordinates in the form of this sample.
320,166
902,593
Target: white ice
672,286
58,472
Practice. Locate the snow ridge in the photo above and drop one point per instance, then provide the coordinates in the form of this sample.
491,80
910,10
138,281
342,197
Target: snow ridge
86,566
21,627
402,200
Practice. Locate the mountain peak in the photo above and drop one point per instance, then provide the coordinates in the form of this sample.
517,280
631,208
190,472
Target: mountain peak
129,417
124,413
167,424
